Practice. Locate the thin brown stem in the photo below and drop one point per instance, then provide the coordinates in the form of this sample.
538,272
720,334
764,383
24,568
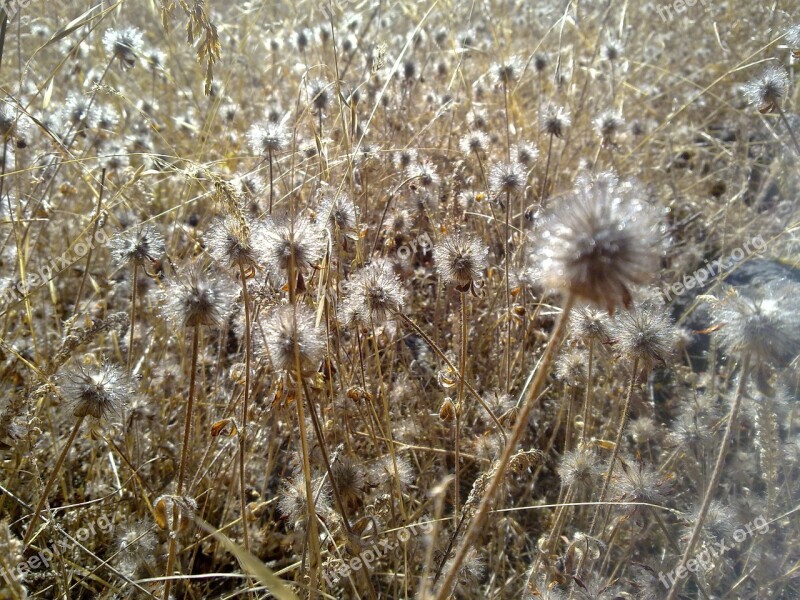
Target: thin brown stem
716,475
51,481
520,426
617,443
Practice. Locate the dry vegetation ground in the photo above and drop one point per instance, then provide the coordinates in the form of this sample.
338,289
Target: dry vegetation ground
447,268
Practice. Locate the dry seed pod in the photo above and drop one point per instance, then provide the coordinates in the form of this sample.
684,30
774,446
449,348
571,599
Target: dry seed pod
448,411
169,508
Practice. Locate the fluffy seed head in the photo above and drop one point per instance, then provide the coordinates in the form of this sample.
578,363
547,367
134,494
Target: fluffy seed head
507,72
525,154
124,45
763,324
793,39
229,242
579,467
276,242
475,141
290,323
136,246
607,125
767,91
599,242
196,299
374,294
506,178
424,173
292,503
461,259
645,333
555,120
268,138
339,212
96,391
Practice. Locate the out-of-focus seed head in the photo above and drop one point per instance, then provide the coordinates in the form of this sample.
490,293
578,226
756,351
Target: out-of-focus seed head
611,51
373,295
277,241
579,467
423,173
767,91
506,73
478,119
525,154
137,246
79,113
793,40
475,141
290,323
555,120
645,333
319,96
461,259
96,391
229,243
599,242
124,45
268,138
761,323
540,62
339,212
608,124
196,298
506,178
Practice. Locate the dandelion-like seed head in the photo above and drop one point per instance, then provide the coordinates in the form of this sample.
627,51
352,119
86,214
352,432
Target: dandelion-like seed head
540,62
374,294
290,323
79,112
461,260
197,299
599,242
525,154
268,138
96,391
645,333
579,467
638,482
506,178
793,39
339,212
555,120
590,325
763,324
124,45
611,50
229,243
607,125
137,246
277,241
767,91
506,73
474,141
424,173
319,96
